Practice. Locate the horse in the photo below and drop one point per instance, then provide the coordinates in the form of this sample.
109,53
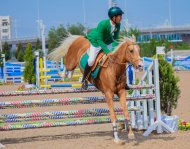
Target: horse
112,76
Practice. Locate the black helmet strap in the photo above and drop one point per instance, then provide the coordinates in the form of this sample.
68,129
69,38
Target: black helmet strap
114,20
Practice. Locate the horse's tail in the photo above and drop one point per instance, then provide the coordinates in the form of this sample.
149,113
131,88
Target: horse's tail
62,50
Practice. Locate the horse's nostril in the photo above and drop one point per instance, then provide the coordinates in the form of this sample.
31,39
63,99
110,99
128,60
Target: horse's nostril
140,67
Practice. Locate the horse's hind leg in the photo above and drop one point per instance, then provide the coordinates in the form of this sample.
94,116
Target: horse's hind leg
109,100
63,74
122,98
70,65
70,74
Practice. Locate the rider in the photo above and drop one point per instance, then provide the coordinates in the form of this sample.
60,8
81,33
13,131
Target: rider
107,32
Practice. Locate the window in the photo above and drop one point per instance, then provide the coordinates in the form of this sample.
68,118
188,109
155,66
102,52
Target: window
4,23
4,20
4,30
5,37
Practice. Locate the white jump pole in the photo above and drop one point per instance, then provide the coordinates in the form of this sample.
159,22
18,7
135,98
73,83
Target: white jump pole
150,102
4,68
37,69
42,28
159,125
172,56
62,63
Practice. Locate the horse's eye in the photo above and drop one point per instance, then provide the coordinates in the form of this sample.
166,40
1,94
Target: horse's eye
131,51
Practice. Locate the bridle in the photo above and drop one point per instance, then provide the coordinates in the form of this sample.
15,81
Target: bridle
120,63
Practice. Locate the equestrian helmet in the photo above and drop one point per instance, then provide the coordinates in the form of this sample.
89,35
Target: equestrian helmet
114,11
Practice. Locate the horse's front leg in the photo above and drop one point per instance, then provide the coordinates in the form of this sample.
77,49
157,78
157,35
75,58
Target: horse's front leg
127,122
109,99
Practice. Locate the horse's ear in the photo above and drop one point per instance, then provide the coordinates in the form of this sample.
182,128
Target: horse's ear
133,38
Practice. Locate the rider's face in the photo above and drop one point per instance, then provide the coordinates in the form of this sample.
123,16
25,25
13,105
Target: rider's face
118,19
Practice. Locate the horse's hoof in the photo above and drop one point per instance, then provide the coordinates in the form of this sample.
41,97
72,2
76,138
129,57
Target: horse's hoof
2,146
85,85
121,130
121,127
120,142
131,136
135,142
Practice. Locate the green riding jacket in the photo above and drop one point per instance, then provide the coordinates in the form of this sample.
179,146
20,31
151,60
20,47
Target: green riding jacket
102,36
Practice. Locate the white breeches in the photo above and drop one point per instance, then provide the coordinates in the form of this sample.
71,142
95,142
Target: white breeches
93,52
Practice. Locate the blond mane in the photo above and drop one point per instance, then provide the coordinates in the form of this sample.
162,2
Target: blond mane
121,41
61,51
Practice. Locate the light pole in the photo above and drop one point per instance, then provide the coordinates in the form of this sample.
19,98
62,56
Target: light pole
170,14
1,49
84,17
112,3
42,29
38,17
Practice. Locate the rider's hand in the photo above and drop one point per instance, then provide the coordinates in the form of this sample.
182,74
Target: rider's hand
109,54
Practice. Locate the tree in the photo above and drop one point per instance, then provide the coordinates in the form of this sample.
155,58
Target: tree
6,51
29,75
52,39
55,36
169,91
133,31
61,33
123,33
38,45
149,49
145,50
19,46
20,57
152,47
1,60
19,54
76,29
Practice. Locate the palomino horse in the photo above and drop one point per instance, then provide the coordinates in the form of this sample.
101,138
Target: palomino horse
111,78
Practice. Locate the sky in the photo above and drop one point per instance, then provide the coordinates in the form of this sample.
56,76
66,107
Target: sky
140,13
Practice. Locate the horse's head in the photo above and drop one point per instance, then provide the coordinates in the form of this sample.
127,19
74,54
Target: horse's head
132,53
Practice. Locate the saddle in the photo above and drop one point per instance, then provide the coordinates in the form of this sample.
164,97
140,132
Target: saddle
100,61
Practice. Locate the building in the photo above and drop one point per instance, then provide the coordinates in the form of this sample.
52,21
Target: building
5,27
173,34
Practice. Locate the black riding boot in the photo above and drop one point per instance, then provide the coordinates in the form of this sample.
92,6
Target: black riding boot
84,81
127,87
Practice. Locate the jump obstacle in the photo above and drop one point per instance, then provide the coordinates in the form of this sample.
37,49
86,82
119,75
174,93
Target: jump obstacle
144,103
11,72
43,78
2,69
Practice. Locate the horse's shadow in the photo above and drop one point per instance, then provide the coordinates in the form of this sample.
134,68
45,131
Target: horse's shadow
74,136
153,136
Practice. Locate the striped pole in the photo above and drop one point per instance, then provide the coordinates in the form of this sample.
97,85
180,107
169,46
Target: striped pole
48,91
64,85
18,117
67,101
81,121
60,91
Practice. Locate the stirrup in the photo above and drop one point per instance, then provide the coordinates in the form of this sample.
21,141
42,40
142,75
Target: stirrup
85,85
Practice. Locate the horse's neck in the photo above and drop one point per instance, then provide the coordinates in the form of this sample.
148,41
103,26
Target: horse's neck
119,61
119,56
